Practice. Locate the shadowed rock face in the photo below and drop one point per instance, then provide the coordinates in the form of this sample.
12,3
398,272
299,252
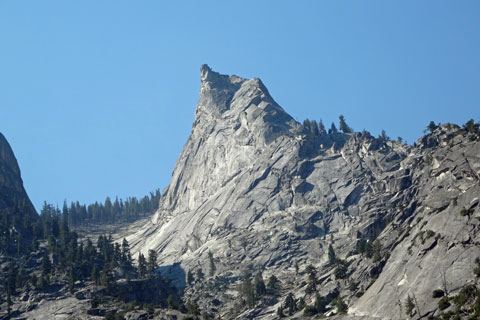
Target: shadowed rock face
250,187
11,184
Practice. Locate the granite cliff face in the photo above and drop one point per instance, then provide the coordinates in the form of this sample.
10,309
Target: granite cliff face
256,191
12,192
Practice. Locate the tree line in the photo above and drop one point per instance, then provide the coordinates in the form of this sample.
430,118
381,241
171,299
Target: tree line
316,129
108,211
56,256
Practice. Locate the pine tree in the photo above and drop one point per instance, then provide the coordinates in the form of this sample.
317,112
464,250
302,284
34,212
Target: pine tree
320,303
343,125
193,308
21,277
126,259
117,255
9,302
190,277
383,136
65,214
431,126
273,283
199,274
290,304
307,125
142,266
95,275
107,279
46,264
71,279
64,233
260,288
55,223
471,126
33,280
333,129
171,303
341,305
331,254
369,249
108,209
152,261
247,290
280,312
321,128
315,131
19,243
377,251
312,278
11,278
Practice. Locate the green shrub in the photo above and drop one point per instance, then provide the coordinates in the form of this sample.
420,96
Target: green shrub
130,306
430,234
409,306
310,310
464,295
341,271
119,316
341,306
443,303
466,212
109,316
300,304
148,307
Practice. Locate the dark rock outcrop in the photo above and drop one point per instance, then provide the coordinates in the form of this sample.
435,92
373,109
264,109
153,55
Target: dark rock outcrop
12,192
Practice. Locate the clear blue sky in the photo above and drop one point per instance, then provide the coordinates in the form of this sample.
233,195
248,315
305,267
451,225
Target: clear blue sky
97,98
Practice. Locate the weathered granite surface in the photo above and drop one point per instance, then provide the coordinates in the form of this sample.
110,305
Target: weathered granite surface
250,187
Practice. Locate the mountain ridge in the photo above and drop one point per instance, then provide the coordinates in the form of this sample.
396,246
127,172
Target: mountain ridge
259,193
267,218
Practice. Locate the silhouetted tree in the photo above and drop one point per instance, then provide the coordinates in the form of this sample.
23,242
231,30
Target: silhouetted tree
290,304
333,129
331,254
152,261
312,278
344,126
320,303
260,288
383,136
431,126
126,259
273,283
142,266
247,290
321,128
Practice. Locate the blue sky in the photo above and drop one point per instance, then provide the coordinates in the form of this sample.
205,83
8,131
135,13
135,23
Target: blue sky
97,98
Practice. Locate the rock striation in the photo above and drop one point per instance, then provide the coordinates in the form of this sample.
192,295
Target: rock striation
253,189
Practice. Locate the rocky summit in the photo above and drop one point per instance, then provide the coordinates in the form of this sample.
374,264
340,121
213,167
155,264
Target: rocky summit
371,226
267,218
